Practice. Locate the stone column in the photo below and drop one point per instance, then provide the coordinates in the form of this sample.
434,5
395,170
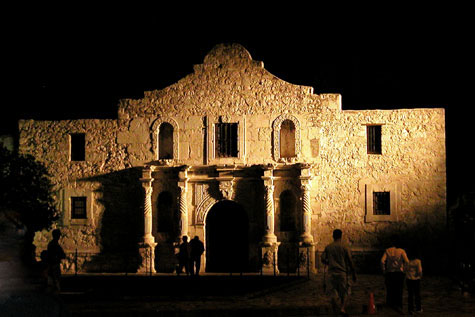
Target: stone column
269,236
306,243
182,202
147,246
269,244
306,236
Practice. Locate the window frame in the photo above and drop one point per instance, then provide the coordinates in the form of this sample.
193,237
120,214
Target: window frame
67,195
226,147
74,207
374,134
394,190
74,147
382,203
159,144
210,148
276,128
294,155
155,131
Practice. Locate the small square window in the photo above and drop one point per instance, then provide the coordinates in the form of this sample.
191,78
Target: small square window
226,139
373,133
78,208
78,147
381,203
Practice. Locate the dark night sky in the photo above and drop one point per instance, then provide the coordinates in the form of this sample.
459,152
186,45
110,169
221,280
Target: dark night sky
62,66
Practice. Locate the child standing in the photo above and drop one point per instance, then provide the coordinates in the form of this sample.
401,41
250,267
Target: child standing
413,280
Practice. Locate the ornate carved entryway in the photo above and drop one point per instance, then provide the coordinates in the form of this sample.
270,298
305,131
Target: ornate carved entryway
227,245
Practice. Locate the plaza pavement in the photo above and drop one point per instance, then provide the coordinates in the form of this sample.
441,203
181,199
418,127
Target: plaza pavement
224,295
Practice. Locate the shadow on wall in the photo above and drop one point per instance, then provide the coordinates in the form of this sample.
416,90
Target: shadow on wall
430,242
121,225
251,196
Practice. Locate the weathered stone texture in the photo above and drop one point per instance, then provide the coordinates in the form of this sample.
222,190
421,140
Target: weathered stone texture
231,87
415,163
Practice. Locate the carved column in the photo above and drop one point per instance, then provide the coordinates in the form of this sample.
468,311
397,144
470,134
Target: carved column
147,246
269,244
306,244
182,202
306,236
270,236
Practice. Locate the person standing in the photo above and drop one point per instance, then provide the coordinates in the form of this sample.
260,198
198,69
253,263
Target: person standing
55,254
184,257
413,282
337,257
392,264
197,249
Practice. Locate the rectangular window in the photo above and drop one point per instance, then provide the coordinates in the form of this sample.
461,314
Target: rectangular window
381,203
78,146
373,133
78,208
226,139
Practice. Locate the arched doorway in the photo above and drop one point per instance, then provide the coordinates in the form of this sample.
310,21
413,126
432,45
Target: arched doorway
227,245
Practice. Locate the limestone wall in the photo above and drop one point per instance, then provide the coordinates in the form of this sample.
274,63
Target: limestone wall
231,87
105,177
412,165
49,141
228,82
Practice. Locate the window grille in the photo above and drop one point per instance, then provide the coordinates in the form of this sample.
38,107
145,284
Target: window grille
381,203
226,139
78,146
78,208
373,133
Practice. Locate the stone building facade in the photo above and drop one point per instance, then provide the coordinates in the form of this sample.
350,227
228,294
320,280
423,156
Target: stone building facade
259,169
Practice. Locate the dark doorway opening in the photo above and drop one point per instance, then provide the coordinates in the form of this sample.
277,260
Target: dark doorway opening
227,243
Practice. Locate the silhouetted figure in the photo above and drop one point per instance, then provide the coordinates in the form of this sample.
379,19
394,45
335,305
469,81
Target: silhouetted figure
413,281
55,255
392,263
184,257
337,257
44,268
197,249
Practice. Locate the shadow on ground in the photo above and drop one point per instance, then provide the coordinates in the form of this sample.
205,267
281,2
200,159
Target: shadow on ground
99,287
223,295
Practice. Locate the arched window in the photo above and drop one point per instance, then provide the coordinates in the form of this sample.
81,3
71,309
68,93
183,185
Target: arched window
287,204
287,139
165,141
165,212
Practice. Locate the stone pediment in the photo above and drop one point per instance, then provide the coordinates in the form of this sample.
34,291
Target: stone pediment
231,81
229,56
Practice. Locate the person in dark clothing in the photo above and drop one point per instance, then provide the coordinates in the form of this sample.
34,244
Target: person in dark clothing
197,249
44,269
55,255
393,262
413,271
337,257
184,257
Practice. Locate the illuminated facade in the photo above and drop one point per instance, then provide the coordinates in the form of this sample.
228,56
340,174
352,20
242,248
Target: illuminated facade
260,169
